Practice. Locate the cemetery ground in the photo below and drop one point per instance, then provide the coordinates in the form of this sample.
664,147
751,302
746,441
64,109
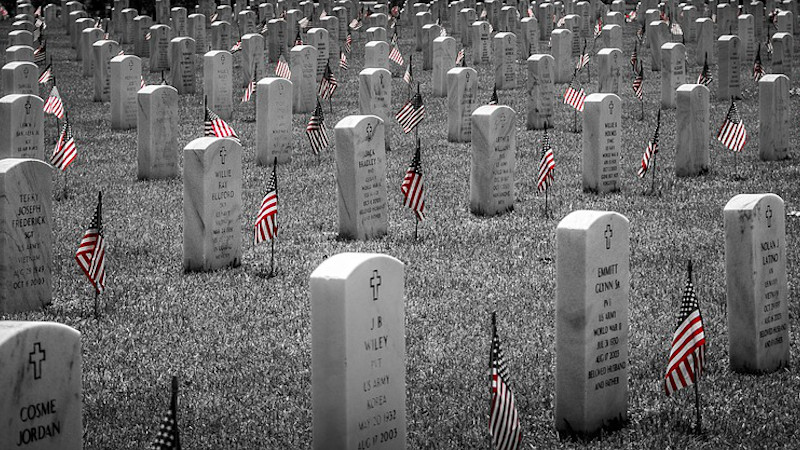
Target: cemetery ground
240,341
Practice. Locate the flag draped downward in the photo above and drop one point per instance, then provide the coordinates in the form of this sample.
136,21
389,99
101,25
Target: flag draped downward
411,114
732,133
687,354
343,61
503,419
251,88
168,437
91,254
282,68
705,75
47,74
494,100
412,188
316,131
758,68
328,83
65,151
650,151
54,104
638,88
546,165
266,228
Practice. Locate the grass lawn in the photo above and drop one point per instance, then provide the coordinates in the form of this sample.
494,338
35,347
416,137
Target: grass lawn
241,342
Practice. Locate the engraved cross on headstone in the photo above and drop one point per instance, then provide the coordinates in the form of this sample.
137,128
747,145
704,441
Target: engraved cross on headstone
768,215
36,357
609,233
28,107
222,153
375,284
611,109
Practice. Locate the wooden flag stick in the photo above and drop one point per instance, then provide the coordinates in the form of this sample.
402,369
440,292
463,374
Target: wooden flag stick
653,185
545,203
642,103
272,253
416,226
272,259
575,121
96,304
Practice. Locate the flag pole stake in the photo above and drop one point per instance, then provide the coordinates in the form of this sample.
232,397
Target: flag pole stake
96,304
545,203
653,185
699,421
416,226
642,103
272,260
575,121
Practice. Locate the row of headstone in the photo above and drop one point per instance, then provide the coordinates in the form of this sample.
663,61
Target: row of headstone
358,387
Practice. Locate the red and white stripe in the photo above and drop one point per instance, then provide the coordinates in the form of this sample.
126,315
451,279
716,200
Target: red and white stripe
575,98
54,105
91,257
396,56
546,167
687,355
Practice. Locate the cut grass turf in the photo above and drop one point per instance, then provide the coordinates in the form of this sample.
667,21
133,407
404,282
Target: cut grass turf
240,342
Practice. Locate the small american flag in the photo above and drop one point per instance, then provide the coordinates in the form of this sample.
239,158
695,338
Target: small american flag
412,188
40,54
355,24
143,83
443,32
412,113
65,151
676,29
687,354
768,45
54,104
640,34
91,254
758,68
304,23
504,419
705,75
638,82
343,61
47,74
237,46
732,133
316,131
574,97
546,165
282,68
460,56
264,28
631,16
650,151
323,14
168,437
214,17
493,100
266,228
348,42
147,36
396,56
583,59
215,126
635,57
298,40
598,27
327,84
408,77
250,90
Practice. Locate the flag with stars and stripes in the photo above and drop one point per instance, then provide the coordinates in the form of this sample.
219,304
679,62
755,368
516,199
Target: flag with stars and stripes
504,418
574,97
40,54
54,104
328,83
408,77
732,133
411,114
168,437
396,56
264,28
412,188
583,59
316,131
215,126
236,47
547,165
65,150
355,24
705,75
758,68
91,254
250,90
266,228
494,100
598,27
638,88
304,22
343,61
282,68
143,83
348,42
47,74
687,353
635,57
650,150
